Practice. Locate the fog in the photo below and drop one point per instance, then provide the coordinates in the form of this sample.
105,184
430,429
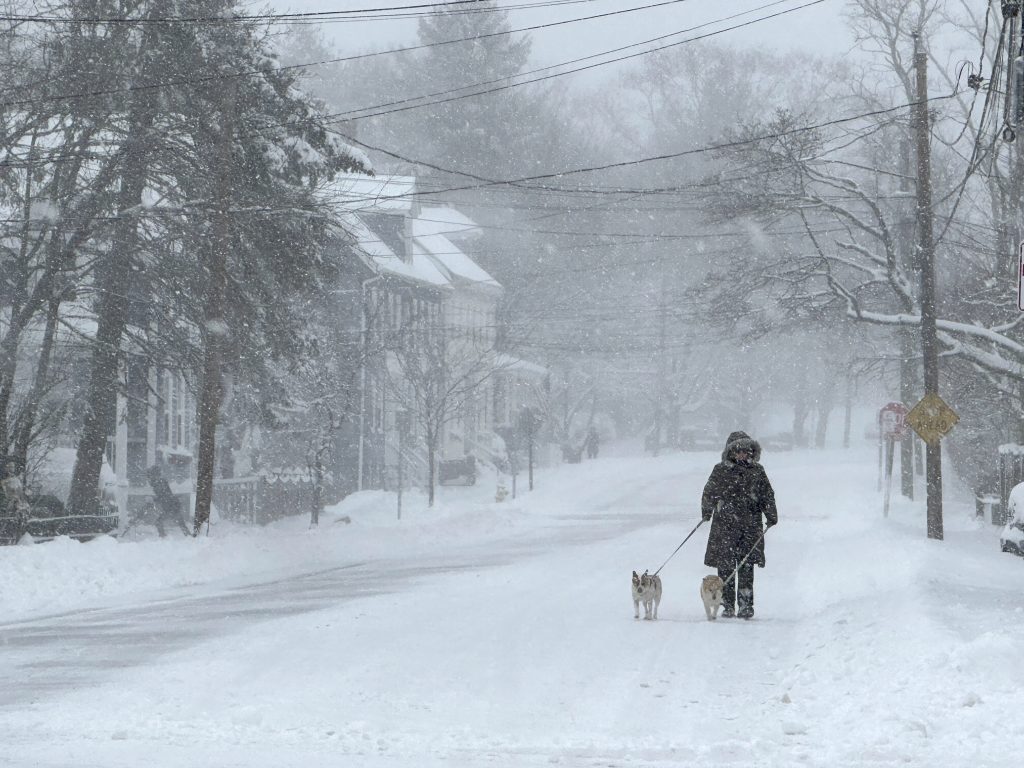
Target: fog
661,221
365,351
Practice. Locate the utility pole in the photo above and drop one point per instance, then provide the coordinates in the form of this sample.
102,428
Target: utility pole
908,357
215,327
659,411
926,264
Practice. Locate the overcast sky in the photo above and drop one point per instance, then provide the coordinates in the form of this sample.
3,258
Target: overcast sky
816,29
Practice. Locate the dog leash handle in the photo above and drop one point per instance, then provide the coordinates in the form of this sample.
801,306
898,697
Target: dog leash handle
698,525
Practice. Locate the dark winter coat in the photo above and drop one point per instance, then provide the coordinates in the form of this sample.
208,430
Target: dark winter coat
166,502
738,500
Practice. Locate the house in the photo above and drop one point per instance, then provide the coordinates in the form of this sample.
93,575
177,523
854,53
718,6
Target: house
416,280
152,422
404,282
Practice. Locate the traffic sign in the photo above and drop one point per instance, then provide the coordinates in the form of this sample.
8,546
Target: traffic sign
892,421
931,418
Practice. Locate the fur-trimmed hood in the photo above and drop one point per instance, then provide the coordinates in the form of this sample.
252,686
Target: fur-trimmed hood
741,440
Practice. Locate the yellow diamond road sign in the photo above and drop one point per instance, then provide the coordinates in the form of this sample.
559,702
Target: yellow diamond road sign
932,418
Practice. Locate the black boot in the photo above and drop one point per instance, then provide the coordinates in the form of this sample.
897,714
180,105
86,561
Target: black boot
728,593
746,601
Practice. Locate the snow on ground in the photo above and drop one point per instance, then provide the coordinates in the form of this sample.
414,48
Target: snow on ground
503,634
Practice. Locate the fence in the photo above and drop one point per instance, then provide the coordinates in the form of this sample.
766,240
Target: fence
259,499
81,527
236,498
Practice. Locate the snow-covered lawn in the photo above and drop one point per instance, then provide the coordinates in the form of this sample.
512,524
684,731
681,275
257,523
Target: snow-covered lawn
485,634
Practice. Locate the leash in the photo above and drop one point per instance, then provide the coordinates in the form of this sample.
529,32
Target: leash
698,525
746,557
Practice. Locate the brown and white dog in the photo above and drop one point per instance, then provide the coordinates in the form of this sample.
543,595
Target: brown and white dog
646,590
711,588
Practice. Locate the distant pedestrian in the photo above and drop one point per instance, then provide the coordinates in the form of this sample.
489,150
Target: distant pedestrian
592,443
168,508
738,499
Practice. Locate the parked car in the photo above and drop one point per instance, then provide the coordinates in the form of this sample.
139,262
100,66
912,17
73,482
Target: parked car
698,439
782,441
1012,537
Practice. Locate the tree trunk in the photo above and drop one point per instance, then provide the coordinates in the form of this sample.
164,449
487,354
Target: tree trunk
847,413
317,504
26,423
9,352
8,368
112,274
800,413
215,327
431,472
820,433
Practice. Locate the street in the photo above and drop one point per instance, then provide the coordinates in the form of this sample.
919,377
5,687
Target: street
512,642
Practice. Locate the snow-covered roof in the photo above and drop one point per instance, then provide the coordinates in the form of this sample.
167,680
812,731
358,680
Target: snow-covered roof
371,194
384,260
431,257
457,266
444,221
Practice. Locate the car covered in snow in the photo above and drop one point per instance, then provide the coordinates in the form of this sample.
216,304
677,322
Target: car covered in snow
1012,537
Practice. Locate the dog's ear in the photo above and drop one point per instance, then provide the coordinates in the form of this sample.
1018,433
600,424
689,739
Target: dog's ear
635,576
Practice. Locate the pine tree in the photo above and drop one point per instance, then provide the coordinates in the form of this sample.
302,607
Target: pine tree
485,134
233,151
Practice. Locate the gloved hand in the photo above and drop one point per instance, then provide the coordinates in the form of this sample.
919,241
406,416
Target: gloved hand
706,517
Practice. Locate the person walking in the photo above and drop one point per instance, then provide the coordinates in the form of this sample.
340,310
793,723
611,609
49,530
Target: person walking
591,443
168,508
738,499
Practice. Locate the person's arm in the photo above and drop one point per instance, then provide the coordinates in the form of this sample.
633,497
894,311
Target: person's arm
771,514
709,499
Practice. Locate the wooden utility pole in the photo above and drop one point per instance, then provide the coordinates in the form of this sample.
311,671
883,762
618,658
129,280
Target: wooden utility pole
908,355
926,265
659,411
215,329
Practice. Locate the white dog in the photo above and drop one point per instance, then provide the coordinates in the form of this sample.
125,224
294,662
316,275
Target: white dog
711,588
646,590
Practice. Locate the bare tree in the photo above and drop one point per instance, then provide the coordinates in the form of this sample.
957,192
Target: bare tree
434,374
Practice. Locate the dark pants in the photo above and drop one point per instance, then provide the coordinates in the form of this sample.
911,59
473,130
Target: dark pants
172,517
745,577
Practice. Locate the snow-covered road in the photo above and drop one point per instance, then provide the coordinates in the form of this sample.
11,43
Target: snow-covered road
503,635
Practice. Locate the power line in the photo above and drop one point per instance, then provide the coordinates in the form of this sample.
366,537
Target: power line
632,193
395,11
353,114
340,116
627,163
338,60
670,155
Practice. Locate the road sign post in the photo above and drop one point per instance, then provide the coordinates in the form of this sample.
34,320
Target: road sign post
892,426
403,421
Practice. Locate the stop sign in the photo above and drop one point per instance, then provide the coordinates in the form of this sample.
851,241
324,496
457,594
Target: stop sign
892,421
